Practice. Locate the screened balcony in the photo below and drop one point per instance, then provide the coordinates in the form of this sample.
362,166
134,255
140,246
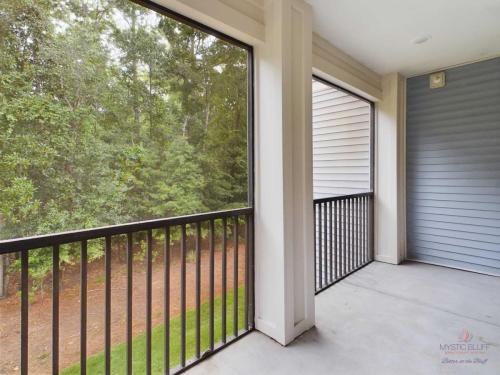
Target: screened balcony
249,187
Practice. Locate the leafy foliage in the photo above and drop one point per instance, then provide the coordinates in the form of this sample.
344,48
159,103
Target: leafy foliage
110,113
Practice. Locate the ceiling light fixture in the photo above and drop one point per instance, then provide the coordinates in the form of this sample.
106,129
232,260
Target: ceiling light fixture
422,39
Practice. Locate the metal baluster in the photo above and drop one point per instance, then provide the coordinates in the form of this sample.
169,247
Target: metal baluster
224,277
166,301
370,228
107,308
365,248
212,251
149,297
363,230
320,247
325,245
55,309
83,308
356,228
330,242
335,235
183,296
351,237
235,276
315,223
24,311
353,231
252,272
130,275
358,256
366,229
198,289
344,239
247,268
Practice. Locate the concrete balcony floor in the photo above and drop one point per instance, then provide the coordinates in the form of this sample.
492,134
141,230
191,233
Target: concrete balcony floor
384,319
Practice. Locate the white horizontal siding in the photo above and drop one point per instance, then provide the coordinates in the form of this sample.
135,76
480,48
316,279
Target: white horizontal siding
341,142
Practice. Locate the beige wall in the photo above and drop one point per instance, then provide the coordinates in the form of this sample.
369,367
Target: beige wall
389,215
284,268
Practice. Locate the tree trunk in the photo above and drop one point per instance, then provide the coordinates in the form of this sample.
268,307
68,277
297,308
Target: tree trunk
184,126
3,278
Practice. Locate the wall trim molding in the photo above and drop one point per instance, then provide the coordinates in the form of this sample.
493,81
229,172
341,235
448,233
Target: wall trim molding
490,57
331,63
242,20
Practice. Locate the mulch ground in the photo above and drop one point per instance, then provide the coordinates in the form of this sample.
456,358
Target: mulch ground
40,325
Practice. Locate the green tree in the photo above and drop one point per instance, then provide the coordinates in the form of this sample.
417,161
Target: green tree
110,113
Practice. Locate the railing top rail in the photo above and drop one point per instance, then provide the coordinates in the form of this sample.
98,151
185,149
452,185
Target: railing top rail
342,197
36,242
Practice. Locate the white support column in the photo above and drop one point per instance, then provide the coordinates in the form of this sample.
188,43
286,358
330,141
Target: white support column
284,269
390,218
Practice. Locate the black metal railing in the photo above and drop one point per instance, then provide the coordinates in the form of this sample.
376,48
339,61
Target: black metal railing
343,237
208,230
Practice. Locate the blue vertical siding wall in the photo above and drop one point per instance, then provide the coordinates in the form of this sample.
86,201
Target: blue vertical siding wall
453,168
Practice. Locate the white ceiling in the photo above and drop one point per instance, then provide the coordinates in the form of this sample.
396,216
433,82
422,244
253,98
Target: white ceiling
380,33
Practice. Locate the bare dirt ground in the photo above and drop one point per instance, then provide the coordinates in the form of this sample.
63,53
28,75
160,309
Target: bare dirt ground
40,325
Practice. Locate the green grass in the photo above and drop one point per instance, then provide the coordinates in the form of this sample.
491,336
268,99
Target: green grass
95,363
